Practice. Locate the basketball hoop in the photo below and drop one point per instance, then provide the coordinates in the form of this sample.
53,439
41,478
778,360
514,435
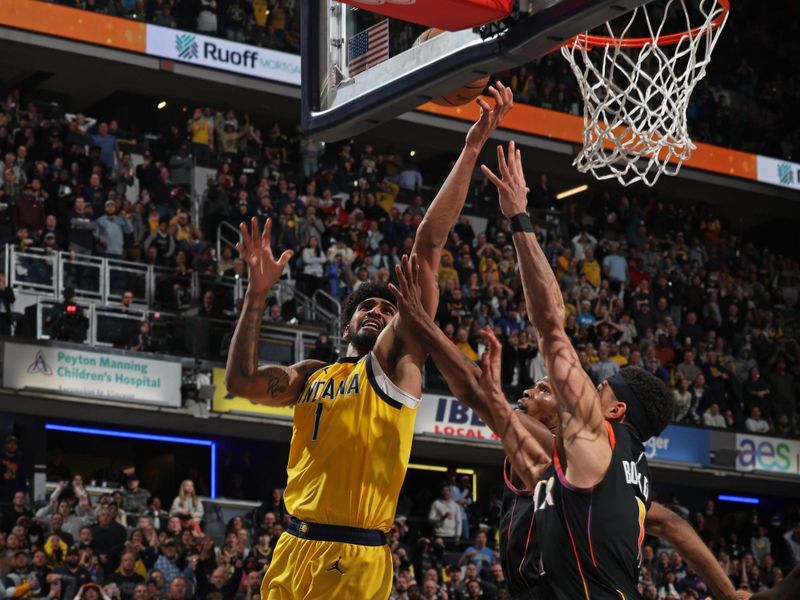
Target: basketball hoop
637,82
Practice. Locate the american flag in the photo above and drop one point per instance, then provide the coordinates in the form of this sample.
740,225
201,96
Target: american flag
368,48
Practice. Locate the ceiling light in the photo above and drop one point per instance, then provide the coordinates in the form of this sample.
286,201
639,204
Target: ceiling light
572,192
162,104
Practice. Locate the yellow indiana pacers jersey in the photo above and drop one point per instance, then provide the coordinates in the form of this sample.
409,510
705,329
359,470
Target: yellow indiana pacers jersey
351,442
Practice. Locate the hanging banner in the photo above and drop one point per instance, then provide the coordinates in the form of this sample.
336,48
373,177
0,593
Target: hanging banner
224,55
767,454
447,417
679,444
91,374
779,172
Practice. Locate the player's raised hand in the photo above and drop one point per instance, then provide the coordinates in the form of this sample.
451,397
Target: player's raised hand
263,270
490,116
491,359
409,293
511,184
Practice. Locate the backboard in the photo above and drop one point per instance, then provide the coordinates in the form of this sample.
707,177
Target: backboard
339,100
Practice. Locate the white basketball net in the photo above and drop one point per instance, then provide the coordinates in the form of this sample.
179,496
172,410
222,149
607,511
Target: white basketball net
635,98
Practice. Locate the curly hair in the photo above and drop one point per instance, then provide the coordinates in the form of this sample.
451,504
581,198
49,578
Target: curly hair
370,289
657,402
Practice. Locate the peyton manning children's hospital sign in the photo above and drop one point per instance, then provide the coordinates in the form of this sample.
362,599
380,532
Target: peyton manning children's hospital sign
91,374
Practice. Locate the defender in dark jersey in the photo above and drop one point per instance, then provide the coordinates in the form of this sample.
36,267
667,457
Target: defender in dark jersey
519,549
592,501
528,437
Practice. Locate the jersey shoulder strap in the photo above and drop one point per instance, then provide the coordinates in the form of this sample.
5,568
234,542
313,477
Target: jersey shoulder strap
385,387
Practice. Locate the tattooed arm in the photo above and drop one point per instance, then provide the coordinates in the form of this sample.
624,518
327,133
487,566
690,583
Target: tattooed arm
271,385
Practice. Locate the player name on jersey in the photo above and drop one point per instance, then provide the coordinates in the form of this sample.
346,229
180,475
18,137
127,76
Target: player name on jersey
332,389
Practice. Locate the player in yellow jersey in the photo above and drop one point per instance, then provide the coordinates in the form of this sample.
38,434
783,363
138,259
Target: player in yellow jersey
354,419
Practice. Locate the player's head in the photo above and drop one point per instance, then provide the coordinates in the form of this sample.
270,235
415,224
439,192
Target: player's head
539,403
639,399
365,313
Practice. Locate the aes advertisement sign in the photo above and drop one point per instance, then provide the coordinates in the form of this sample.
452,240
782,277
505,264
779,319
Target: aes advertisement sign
91,374
768,455
222,54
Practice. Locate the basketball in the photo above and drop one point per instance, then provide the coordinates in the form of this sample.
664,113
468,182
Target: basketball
463,95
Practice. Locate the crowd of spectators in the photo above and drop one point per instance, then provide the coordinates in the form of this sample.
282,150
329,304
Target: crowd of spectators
123,543
273,24
754,549
746,101
665,286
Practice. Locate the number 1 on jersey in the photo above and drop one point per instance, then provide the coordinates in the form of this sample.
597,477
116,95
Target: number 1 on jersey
317,417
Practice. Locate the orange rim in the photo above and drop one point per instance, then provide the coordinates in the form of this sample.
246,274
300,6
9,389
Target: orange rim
590,41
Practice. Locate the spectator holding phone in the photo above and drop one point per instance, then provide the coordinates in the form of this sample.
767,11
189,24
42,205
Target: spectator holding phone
445,516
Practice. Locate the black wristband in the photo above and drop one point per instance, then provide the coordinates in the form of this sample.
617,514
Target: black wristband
521,223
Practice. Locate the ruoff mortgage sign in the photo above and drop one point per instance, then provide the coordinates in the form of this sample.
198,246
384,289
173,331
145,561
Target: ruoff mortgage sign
222,54
91,374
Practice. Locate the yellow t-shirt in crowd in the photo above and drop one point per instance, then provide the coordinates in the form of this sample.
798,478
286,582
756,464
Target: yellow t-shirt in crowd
445,274
200,131
387,197
591,268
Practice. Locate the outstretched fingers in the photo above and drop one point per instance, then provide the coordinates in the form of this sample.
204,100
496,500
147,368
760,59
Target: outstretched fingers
492,177
410,275
285,258
517,167
413,266
504,99
512,156
498,97
255,235
266,235
244,245
400,290
492,354
502,164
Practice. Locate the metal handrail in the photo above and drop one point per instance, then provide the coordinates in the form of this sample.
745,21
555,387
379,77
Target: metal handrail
97,312
13,256
82,260
326,313
334,320
125,266
220,229
4,250
197,207
285,289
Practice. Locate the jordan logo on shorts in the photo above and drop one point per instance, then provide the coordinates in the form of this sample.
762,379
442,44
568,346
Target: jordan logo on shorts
335,566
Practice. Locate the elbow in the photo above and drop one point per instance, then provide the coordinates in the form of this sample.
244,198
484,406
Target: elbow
430,236
234,384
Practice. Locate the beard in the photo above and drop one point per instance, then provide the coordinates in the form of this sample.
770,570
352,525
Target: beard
364,339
